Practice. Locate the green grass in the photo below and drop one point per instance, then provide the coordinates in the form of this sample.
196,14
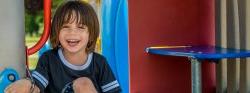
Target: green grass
32,62
32,59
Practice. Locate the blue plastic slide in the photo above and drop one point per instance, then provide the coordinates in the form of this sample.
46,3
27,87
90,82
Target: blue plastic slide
115,38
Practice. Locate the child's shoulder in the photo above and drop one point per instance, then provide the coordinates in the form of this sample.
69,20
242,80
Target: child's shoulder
97,55
50,52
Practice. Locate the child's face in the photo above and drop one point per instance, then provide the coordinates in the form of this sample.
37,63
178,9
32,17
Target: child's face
74,37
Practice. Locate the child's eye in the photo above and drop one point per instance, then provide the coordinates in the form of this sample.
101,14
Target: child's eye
65,26
82,27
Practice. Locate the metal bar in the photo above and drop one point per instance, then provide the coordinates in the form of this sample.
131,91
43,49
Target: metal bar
196,75
221,40
244,18
233,42
46,32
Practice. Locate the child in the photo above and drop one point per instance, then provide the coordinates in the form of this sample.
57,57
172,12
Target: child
72,65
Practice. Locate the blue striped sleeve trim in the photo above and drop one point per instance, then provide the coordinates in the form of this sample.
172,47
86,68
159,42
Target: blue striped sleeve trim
110,86
40,78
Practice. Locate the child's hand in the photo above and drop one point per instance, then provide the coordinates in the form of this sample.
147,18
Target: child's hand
20,86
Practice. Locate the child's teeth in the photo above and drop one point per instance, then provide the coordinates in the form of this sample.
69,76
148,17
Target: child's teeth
72,40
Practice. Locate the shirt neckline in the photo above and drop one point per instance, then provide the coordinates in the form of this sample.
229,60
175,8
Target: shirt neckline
72,66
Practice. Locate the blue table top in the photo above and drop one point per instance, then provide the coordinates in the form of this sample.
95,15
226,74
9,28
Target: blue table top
199,52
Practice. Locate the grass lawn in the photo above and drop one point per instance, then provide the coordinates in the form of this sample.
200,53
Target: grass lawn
32,59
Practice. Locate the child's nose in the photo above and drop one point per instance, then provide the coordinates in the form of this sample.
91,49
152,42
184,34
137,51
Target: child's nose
74,31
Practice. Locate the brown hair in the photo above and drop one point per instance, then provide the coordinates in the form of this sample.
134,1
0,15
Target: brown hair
85,15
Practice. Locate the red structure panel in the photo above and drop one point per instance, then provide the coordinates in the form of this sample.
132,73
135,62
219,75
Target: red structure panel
168,22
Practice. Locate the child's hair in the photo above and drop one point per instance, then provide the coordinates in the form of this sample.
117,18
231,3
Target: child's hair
84,14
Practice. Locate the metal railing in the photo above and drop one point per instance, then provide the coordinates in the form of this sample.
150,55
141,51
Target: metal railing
233,30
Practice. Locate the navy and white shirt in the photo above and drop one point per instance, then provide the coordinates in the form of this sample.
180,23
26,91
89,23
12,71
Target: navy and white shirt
54,73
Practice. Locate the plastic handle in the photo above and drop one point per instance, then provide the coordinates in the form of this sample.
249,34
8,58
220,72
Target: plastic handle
46,32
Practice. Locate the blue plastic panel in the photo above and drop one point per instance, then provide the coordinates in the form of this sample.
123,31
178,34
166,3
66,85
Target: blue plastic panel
199,52
114,20
7,76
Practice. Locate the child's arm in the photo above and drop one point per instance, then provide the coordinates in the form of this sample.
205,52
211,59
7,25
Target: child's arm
40,79
22,86
108,82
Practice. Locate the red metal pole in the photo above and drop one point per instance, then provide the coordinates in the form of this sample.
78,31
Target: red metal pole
46,32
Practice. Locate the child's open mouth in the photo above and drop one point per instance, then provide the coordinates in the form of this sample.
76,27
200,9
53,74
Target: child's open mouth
72,42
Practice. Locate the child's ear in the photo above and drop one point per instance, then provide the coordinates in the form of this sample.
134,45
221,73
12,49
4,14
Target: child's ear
59,44
89,44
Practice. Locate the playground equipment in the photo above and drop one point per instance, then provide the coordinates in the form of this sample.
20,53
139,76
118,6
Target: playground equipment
12,41
196,55
7,76
12,47
116,39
